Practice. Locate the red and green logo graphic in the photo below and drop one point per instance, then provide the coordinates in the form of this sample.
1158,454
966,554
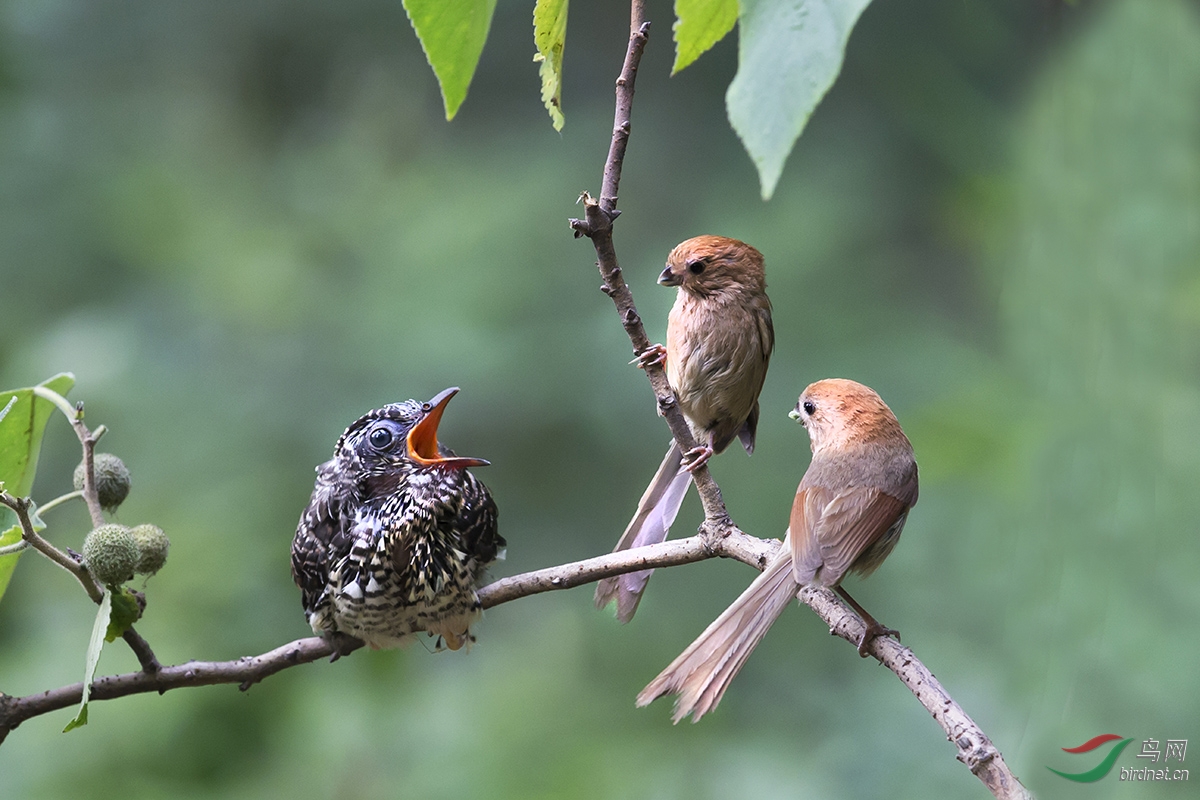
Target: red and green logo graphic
1104,767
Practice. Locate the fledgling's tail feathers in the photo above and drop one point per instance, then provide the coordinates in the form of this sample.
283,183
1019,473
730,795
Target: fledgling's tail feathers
651,523
702,672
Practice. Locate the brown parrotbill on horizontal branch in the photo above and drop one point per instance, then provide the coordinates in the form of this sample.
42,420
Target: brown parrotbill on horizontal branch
848,513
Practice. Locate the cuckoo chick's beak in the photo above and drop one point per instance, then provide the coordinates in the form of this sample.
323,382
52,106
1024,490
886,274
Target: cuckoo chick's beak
422,439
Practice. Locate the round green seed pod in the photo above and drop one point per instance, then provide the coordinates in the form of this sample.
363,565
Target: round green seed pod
112,480
111,553
152,546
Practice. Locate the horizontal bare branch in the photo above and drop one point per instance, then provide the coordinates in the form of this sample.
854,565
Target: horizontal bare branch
251,669
567,576
718,537
715,540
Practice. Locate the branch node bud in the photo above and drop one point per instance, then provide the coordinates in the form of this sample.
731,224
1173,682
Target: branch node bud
580,227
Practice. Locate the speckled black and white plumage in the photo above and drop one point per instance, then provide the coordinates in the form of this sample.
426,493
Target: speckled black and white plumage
389,546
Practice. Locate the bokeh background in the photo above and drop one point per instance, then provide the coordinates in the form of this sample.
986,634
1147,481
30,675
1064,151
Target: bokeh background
242,224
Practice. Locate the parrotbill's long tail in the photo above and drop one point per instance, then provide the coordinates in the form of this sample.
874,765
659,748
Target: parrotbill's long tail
702,672
656,512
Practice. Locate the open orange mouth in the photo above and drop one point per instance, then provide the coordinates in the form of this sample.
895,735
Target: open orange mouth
422,439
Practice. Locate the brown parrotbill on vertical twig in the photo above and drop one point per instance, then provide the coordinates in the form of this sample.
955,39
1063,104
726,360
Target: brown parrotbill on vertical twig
848,513
719,341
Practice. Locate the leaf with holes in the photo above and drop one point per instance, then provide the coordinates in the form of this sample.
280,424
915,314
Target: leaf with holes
550,35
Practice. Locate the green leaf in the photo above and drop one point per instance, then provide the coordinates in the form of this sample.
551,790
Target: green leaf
452,34
21,427
8,563
789,53
95,644
550,34
699,25
125,612
21,432
80,718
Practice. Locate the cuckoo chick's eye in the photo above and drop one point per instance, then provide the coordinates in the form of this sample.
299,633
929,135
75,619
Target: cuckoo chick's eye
697,266
380,438
810,407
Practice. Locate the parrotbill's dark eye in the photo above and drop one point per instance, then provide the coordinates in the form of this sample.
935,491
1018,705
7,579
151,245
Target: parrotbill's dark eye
380,438
810,407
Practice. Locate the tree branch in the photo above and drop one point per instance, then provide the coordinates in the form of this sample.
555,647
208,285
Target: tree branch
251,669
245,671
974,748
597,226
718,536
20,505
87,440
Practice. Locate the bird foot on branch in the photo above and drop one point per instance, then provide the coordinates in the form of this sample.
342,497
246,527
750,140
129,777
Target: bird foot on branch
697,457
874,629
654,354
343,644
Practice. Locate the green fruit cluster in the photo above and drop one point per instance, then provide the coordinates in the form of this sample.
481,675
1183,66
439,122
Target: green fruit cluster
152,546
113,553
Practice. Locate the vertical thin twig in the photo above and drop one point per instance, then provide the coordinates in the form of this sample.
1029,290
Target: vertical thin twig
597,226
974,748
87,440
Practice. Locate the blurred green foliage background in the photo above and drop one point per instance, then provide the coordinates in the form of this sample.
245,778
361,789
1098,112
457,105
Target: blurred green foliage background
242,224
